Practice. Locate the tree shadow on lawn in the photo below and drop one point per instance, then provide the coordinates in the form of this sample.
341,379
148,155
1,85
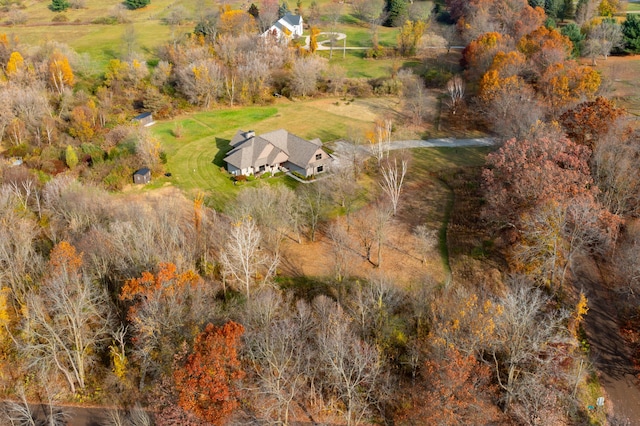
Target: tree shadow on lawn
223,147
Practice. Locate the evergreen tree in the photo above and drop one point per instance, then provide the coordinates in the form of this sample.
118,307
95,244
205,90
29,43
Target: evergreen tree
136,4
396,13
567,10
253,10
283,9
631,33
59,5
552,7
573,33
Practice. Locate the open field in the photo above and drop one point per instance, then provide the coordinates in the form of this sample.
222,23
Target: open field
195,159
622,73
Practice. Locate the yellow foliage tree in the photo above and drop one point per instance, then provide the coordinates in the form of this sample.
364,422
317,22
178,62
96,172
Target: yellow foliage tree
15,64
60,72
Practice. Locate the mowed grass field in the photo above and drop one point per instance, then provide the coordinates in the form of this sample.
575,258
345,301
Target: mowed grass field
195,160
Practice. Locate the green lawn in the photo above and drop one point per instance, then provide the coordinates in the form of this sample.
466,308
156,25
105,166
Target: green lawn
195,160
633,7
357,66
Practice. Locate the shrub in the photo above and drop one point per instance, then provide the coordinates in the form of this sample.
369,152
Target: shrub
163,157
240,178
178,130
265,175
60,17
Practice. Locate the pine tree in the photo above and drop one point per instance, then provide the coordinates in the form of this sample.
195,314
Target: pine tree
253,10
136,4
59,5
396,13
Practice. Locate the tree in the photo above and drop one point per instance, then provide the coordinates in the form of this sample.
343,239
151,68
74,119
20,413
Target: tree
567,10
201,81
457,392
603,38
396,11
589,121
545,47
393,179
522,174
586,10
268,14
70,157
631,33
410,34
164,310
136,4
530,338
254,11
69,319
306,72
243,259
455,89
59,5
60,72
574,34
207,381
15,65
352,366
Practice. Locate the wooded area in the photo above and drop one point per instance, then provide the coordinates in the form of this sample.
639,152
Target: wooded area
169,311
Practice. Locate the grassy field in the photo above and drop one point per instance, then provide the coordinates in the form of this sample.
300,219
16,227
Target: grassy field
633,6
195,160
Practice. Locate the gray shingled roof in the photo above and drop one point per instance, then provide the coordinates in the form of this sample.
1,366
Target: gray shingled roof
292,19
278,145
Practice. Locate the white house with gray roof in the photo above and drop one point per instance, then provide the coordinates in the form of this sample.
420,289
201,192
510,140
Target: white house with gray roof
275,151
289,26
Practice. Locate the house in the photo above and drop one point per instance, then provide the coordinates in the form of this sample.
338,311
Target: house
274,151
145,119
288,26
142,176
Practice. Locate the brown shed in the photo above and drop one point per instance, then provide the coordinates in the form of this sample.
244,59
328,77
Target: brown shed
142,176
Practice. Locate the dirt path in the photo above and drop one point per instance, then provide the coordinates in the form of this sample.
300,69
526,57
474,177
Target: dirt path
609,353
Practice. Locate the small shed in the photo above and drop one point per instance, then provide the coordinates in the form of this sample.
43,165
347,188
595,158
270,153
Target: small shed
145,119
142,176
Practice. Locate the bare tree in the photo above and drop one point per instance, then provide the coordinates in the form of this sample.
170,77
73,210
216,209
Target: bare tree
274,342
201,81
602,39
242,257
352,366
455,89
333,12
314,206
305,74
393,179
527,332
69,319
380,138
381,219
340,249
427,241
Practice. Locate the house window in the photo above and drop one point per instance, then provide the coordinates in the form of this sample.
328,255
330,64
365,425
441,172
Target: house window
320,168
318,156
262,168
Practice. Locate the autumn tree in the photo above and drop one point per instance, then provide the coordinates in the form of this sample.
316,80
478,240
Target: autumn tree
457,391
523,173
69,320
164,309
207,383
201,81
410,34
545,47
565,84
477,57
587,122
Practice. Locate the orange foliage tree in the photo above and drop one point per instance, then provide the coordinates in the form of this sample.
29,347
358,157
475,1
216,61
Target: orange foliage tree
590,120
478,56
545,47
564,84
206,383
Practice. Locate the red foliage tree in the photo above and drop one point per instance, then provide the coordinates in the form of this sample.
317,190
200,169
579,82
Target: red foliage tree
521,174
457,391
206,382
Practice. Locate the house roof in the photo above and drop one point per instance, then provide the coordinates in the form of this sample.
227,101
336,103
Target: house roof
141,116
291,19
271,148
142,171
